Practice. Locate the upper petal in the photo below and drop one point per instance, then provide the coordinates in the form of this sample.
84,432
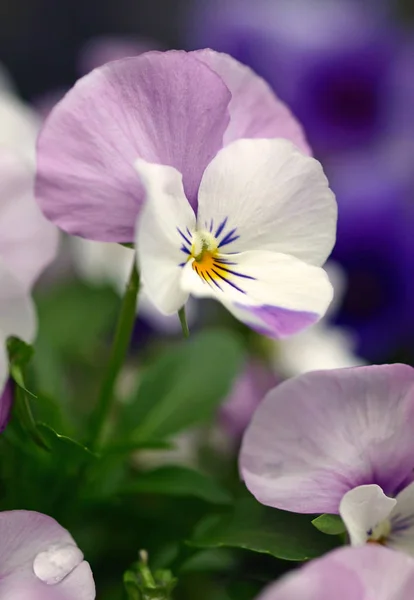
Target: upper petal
273,196
255,110
315,437
349,574
277,295
163,235
362,509
28,242
28,538
166,108
17,312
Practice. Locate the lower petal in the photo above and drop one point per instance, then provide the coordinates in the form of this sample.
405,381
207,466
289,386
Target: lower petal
273,293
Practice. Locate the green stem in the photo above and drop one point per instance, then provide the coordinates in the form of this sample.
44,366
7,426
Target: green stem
119,350
183,321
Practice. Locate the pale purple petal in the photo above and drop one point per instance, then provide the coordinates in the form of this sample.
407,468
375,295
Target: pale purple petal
28,242
367,573
167,108
37,554
255,111
6,402
274,321
317,436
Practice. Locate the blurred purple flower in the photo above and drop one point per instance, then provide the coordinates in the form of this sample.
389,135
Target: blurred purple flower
339,442
368,573
247,392
375,246
171,108
39,560
6,403
330,60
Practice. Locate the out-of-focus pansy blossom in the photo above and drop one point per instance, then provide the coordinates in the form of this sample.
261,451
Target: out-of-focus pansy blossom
28,242
19,126
172,108
375,246
100,263
266,218
321,346
265,224
248,390
367,573
39,560
330,60
339,441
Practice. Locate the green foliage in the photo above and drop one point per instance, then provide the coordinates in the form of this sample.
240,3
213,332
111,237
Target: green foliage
178,481
252,526
183,386
329,524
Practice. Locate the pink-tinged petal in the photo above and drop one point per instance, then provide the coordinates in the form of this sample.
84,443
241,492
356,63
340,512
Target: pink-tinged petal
6,398
37,554
315,437
166,108
368,573
28,242
255,110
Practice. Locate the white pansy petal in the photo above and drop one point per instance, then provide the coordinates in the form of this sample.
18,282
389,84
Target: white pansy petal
402,522
362,509
267,195
163,235
17,312
275,294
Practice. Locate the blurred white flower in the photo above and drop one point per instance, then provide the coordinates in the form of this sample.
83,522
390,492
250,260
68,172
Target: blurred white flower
321,346
28,242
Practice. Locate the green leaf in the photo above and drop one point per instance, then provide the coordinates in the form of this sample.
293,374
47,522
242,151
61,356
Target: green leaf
19,352
184,386
252,526
329,524
214,560
74,316
175,480
63,445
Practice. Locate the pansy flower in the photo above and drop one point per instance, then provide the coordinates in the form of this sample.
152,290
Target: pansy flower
365,573
339,441
39,560
249,222
265,224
